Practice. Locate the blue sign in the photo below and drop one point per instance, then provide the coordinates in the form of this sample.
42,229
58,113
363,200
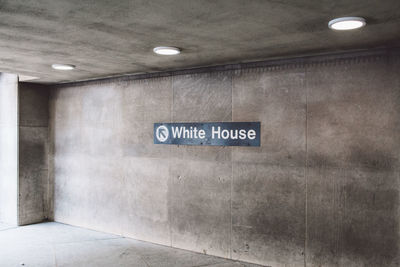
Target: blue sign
208,134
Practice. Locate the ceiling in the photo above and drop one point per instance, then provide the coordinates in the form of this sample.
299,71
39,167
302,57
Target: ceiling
106,38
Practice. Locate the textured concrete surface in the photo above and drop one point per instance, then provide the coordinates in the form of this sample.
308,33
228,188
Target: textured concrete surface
8,148
353,164
54,244
268,214
268,189
321,190
35,189
200,177
105,38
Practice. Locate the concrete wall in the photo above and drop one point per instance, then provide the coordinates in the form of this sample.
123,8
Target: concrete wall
35,190
322,190
8,148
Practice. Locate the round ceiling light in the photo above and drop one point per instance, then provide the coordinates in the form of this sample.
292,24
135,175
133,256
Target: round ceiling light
347,23
166,50
63,67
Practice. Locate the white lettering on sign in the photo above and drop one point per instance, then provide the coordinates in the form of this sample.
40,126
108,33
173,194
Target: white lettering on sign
192,132
251,134
216,133
242,134
202,134
213,132
177,132
208,133
232,134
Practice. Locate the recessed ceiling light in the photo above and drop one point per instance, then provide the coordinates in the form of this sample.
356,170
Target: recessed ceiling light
63,67
347,23
167,50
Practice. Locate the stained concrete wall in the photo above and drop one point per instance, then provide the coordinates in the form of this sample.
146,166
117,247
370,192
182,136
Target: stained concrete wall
322,190
8,148
35,189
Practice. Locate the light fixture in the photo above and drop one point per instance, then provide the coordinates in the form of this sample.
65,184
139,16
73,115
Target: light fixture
166,50
347,23
63,67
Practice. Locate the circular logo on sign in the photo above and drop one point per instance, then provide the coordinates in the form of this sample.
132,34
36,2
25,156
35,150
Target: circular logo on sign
162,133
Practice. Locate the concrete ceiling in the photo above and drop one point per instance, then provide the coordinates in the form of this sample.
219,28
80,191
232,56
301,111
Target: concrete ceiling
104,37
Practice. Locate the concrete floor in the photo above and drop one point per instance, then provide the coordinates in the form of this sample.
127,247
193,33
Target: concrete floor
55,244
5,226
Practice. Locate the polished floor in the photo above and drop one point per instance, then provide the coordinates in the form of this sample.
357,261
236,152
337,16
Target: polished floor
55,244
5,226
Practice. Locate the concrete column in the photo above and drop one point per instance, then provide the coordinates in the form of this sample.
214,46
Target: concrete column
8,148
34,185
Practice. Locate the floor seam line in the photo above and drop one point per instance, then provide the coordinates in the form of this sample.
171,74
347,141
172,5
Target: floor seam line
84,241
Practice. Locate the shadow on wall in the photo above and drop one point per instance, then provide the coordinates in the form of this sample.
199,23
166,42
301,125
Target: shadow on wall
353,212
